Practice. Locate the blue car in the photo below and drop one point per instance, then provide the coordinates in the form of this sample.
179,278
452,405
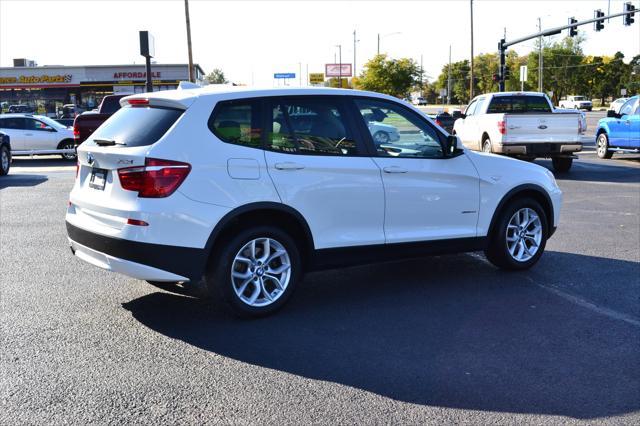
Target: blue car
620,132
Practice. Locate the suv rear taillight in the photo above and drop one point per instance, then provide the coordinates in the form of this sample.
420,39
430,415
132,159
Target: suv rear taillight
438,122
502,127
156,179
76,131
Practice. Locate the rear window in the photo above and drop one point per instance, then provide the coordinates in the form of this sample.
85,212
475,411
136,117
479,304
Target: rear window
137,126
518,104
110,104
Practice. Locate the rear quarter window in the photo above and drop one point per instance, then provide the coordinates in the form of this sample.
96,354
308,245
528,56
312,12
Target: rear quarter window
137,126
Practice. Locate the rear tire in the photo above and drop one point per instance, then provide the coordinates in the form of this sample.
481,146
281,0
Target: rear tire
486,146
602,146
255,272
515,245
562,164
5,160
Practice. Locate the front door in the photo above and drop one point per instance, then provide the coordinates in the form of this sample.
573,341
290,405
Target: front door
320,168
427,196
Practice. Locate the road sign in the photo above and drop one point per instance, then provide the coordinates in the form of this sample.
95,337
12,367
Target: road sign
337,70
443,93
623,92
316,78
284,75
523,73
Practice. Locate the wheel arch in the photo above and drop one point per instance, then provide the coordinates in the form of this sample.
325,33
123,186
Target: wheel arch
263,213
527,190
63,141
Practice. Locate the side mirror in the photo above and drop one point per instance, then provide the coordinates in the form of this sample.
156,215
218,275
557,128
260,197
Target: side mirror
612,114
451,145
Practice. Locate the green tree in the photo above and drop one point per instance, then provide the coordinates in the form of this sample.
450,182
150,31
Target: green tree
394,77
459,81
216,77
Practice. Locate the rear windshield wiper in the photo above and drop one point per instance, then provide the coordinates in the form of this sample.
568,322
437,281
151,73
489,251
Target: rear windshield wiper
106,142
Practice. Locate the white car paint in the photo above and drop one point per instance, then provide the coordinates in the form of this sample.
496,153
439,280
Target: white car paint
346,201
39,134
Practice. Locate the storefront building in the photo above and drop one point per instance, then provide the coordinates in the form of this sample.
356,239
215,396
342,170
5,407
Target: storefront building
47,88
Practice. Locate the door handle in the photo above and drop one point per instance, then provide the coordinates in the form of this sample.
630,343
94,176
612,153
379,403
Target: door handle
289,166
28,134
627,122
394,169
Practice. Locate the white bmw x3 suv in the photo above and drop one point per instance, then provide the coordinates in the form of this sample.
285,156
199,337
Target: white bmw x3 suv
244,190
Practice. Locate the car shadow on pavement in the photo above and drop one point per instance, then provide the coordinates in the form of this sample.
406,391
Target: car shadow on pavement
598,171
41,161
21,180
444,331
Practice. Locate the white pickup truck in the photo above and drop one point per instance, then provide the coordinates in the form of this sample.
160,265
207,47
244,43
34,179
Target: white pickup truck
576,102
523,125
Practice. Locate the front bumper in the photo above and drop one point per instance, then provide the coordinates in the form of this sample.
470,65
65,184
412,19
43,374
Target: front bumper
145,261
541,149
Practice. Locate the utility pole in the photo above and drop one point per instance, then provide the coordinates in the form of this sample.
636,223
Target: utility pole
339,46
186,12
421,74
300,73
540,56
471,79
449,79
378,43
354,52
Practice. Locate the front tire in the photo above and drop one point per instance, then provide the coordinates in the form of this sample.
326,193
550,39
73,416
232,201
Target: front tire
5,160
602,146
68,144
519,236
562,164
255,272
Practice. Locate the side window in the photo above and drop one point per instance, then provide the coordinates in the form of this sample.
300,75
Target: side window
479,106
471,108
14,123
627,108
397,131
237,122
637,107
36,125
309,127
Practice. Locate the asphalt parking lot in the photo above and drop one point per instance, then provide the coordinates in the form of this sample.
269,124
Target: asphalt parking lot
442,340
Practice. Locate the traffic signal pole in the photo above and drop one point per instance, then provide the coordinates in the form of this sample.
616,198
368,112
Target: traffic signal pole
503,45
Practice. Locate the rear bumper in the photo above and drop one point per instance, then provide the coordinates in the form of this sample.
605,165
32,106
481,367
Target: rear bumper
541,149
152,262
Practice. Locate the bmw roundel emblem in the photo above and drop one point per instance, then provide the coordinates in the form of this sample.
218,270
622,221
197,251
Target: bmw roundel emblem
90,158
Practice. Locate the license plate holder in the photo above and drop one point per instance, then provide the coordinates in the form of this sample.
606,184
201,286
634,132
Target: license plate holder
98,179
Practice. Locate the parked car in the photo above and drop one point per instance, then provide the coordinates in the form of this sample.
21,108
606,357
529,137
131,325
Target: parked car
617,104
68,111
523,125
619,132
419,100
382,133
576,102
37,135
21,109
87,122
5,154
221,186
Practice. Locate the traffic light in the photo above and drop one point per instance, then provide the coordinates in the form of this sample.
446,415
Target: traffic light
495,77
628,18
507,72
573,31
599,24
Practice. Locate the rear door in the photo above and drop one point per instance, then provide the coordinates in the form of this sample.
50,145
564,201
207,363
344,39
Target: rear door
15,128
319,167
427,196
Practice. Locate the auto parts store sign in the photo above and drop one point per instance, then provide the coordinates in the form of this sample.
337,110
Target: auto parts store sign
37,79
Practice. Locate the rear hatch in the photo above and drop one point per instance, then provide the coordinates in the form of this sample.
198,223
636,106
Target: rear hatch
113,164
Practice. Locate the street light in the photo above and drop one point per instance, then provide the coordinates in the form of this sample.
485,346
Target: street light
339,46
383,36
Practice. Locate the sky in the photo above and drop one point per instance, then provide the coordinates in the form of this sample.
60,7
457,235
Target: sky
251,40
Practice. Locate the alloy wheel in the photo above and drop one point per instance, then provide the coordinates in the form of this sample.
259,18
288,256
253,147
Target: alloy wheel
4,161
260,272
524,234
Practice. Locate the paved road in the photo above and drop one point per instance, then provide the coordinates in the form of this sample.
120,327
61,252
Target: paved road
444,340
